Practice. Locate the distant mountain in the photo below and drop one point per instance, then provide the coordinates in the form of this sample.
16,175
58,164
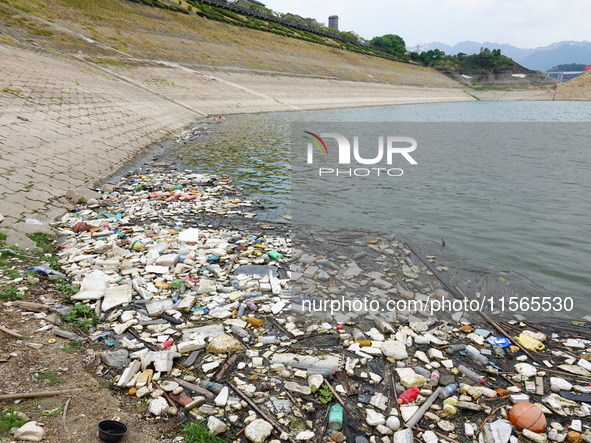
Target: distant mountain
541,59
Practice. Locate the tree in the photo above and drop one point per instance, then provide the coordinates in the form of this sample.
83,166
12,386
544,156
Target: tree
391,43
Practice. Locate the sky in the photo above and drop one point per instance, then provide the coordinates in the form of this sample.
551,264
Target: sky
522,23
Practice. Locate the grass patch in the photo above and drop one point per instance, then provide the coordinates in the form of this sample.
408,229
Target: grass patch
67,289
73,347
44,241
11,293
158,81
13,91
111,62
47,379
81,316
198,433
10,419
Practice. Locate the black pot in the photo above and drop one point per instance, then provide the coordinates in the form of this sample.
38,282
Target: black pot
111,430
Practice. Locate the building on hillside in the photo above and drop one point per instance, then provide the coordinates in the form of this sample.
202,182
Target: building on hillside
333,22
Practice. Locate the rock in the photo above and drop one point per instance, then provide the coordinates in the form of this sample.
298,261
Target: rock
374,418
394,349
559,384
157,406
30,431
526,370
409,378
169,385
393,423
532,436
574,369
156,308
430,437
384,430
408,411
186,303
167,260
446,426
258,431
206,286
129,373
296,387
222,397
469,430
116,296
216,426
223,344
305,436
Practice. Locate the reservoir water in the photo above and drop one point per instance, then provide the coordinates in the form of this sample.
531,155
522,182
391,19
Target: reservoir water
519,208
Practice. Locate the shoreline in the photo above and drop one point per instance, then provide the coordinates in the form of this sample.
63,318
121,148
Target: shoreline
81,122
173,289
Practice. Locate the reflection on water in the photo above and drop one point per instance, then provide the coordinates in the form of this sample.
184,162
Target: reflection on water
493,219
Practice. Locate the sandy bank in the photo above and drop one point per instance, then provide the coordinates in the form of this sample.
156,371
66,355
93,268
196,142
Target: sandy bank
66,122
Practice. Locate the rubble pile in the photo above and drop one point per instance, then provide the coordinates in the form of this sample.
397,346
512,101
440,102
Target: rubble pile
201,311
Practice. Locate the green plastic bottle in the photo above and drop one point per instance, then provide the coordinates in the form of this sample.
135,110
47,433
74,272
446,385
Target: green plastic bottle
335,417
274,255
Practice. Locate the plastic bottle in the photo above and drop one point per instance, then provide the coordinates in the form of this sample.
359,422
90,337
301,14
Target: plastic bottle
211,386
268,339
434,378
408,395
241,310
471,374
242,333
335,417
251,305
454,348
448,390
337,436
360,338
475,355
421,371
256,322
274,255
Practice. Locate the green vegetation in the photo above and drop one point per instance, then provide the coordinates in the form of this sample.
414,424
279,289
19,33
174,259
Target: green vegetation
13,418
11,293
67,289
324,394
486,60
47,378
198,433
392,44
73,347
81,316
569,67
44,241
13,91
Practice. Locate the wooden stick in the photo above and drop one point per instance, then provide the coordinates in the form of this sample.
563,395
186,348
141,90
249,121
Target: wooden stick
258,410
295,404
488,418
65,415
337,396
39,394
9,332
195,388
30,306
439,434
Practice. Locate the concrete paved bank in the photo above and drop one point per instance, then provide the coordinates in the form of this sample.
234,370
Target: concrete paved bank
66,122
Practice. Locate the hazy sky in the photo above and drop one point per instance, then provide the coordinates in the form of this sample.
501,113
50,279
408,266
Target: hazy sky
523,23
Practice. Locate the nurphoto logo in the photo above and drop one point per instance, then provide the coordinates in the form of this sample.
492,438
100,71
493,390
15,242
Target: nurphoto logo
393,145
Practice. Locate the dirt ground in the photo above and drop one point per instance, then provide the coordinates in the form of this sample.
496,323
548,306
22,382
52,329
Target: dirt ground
65,365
